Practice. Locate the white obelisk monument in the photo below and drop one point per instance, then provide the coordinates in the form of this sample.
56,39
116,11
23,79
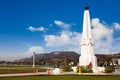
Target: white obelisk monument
87,43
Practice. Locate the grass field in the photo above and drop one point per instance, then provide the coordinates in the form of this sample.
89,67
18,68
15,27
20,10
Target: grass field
11,69
63,78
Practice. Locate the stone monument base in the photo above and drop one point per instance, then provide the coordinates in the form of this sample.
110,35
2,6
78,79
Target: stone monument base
56,71
101,69
74,69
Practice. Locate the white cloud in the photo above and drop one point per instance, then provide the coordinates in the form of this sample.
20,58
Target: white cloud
64,41
104,40
37,29
62,24
36,49
100,30
102,33
117,26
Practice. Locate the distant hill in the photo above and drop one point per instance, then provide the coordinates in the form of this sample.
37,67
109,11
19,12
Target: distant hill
51,56
64,56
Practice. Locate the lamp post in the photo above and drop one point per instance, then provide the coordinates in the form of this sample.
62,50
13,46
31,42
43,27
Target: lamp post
33,60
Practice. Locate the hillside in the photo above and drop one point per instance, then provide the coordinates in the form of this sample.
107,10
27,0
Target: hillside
65,57
47,57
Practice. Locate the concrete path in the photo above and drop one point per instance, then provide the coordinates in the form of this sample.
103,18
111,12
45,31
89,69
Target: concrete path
22,74
63,73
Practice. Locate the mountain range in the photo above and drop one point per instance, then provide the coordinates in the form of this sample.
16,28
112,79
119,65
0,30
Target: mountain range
62,56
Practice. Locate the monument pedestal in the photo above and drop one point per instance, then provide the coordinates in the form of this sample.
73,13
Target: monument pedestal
87,59
56,71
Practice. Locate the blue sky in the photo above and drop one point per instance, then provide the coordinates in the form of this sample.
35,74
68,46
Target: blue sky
56,25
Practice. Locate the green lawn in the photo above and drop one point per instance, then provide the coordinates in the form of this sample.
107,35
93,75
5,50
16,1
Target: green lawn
11,69
63,78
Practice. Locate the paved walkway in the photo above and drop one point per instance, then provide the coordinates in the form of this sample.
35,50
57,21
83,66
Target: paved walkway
63,73
23,74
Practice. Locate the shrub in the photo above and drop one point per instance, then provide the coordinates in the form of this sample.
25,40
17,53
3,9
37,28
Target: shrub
109,69
84,69
67,68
